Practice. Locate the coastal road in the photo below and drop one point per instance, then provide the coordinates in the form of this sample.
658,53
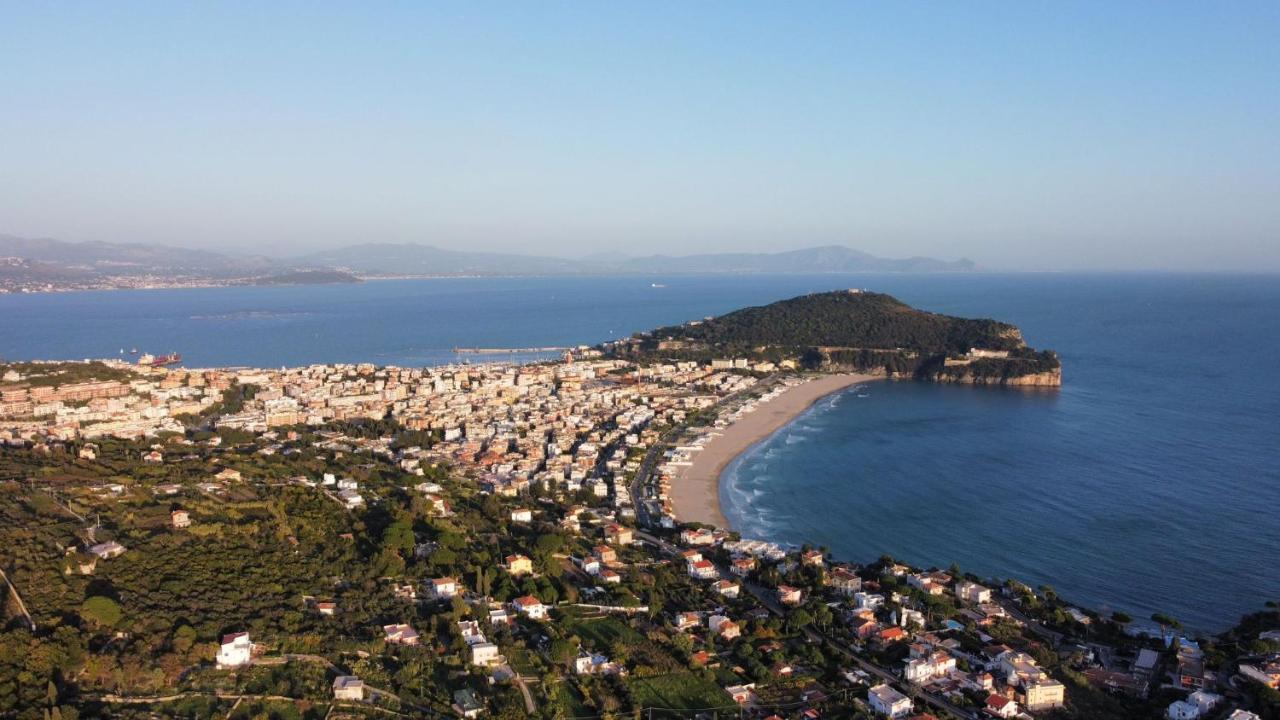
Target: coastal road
1016,613
644,476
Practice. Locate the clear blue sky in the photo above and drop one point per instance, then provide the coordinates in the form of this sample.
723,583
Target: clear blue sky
1025,135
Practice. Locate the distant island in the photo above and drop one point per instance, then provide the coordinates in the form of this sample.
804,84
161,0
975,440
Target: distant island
47,265
857,331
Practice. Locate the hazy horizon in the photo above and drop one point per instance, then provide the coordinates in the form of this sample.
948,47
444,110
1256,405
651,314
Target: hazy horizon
1082,137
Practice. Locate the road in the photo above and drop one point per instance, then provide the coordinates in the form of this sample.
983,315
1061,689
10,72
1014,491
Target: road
22,607
644,476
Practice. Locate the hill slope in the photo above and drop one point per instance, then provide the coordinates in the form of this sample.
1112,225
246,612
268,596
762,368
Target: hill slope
861,331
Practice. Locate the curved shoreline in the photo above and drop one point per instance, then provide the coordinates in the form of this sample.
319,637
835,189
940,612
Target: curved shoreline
695,490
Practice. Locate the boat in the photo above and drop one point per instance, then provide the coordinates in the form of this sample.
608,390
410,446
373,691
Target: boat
148,359
656,285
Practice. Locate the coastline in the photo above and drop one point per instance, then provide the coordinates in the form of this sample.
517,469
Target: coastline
695,490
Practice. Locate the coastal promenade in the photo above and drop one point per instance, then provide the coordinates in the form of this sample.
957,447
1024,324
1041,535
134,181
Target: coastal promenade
695,495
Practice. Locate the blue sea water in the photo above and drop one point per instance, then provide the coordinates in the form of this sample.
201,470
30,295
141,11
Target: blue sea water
1148,482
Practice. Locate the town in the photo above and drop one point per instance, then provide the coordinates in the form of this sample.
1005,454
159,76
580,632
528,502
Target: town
497,540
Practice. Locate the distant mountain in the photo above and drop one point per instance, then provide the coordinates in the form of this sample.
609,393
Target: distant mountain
40,264
415,259
830,258
122,259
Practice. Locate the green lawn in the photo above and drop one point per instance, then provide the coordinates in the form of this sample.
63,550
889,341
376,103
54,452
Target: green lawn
678,691
600,633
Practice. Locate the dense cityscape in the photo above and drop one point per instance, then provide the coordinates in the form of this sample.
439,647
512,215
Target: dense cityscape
498,540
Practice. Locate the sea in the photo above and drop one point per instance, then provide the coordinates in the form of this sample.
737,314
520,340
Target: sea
1150,482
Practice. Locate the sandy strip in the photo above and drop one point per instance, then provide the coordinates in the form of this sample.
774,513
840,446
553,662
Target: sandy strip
695,490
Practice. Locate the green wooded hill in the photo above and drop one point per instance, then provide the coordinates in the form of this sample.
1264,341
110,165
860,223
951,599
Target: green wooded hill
847,319
859,330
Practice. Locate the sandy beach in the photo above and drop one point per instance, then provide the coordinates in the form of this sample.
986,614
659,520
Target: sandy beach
695,492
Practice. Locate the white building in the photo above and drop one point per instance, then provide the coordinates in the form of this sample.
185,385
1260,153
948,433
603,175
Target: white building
444,588
236,650
484,654
348,687
530,606
972,592
886,701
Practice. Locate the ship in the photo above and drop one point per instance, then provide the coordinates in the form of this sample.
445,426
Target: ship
159,361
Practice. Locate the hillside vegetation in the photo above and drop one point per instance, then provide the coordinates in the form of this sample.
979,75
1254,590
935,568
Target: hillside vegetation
857,330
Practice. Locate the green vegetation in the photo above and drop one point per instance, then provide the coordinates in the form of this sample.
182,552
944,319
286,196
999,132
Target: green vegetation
51,374
852,330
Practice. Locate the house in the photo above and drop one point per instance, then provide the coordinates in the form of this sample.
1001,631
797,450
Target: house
348,687
350,498
702,570
972,592
610,576
236,650
499,616
444,588
1001,706
812,557
727,588
742,694
788,595
1043,695
687,620
484,654
891,635
605,554
400,634
153,457
227,475
922,670
845,581
530,607
466,704
180,519
616,534
519,565
107,550
1266,672
522,515
929,583
868,600
729,630
1243,715
701,536
1197,705
886,701
595,664
742,566
327,608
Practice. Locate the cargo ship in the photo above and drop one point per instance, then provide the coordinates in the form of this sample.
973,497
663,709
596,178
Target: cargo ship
159,361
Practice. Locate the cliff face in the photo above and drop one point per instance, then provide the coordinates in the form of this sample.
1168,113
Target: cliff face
1049,378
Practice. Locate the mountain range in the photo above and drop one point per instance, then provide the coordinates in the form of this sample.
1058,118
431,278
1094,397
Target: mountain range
52,262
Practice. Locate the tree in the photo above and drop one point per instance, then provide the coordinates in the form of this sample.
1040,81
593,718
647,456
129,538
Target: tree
1165,622
101,610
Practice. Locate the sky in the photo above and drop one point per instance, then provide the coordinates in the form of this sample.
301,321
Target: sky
1023,135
